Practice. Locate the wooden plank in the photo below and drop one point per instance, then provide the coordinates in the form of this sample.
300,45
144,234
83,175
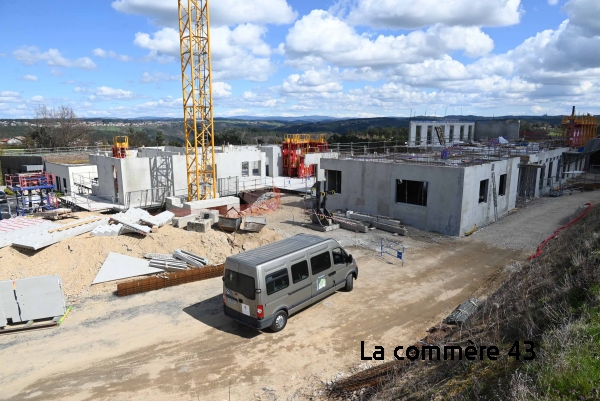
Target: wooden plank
66,227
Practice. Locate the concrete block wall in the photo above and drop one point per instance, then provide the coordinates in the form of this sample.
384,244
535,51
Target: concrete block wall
473,212
545,158
508,129
229,164
117,177
64,175
273,160
452,197
370,188
451,130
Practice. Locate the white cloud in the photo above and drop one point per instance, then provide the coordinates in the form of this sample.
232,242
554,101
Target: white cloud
158,77
32,78
312,81
31,55
2,55
37,99
553,2
320,34
109,53
223,12
10,97
106,93
238,53
221,89
422,13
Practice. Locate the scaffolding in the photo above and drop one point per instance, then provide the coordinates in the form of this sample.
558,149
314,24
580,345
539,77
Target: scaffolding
33,192
295,147
579,130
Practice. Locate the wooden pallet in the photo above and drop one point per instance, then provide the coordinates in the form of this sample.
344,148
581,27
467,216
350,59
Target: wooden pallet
169,280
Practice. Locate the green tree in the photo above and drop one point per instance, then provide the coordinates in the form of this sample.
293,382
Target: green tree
160,138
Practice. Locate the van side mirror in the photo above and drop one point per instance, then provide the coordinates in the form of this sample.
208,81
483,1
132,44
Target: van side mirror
349,259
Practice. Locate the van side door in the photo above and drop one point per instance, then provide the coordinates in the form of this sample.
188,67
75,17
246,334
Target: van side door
323,275
300,291
340,265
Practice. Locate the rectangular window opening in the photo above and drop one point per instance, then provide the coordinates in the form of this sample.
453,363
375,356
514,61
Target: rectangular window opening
502,186
483,191
256,168
245,169
334,181
411,192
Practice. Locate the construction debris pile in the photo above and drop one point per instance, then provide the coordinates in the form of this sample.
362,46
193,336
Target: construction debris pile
77,259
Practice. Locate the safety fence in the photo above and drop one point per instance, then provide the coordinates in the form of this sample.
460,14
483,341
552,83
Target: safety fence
169,280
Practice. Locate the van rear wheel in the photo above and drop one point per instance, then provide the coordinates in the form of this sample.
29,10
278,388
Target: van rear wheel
279,321
349,283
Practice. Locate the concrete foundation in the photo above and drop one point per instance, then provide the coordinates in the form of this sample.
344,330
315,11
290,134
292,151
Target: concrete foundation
200,226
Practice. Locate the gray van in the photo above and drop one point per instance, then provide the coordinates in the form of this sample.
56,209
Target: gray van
266,285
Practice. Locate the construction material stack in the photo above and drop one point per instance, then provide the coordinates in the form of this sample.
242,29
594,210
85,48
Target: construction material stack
33,192
294,149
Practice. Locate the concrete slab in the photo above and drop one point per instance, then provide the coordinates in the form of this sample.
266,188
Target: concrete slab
32,298
39,240
355,227
7,298
389,228
13,231
159,220
117,267
109,230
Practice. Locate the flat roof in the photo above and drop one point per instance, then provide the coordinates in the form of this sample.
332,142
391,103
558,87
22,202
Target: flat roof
276,250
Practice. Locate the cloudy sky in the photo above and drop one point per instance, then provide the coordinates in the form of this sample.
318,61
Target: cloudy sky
343,58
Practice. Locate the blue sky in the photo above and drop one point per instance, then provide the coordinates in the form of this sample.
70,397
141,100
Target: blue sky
344,58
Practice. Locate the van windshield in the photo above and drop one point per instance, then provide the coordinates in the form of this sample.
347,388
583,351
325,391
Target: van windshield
239,282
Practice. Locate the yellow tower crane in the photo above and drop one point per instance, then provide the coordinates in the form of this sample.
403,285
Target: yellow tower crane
196,77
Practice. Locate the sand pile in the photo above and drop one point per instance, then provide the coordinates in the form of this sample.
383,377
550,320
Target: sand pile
78,260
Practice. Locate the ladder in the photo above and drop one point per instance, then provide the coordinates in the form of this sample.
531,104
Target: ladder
440,135
495,194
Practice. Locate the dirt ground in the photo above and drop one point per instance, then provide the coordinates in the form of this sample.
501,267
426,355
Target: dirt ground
78,260
176,343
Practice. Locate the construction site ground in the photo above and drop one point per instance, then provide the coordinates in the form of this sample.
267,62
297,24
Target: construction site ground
176,343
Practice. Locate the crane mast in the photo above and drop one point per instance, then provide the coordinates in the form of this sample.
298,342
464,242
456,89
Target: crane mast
194,39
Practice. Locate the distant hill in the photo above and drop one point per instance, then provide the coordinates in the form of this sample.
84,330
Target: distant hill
286,119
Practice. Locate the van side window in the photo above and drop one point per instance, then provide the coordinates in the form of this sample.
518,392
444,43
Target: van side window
320,263
277,281
299,271
339,256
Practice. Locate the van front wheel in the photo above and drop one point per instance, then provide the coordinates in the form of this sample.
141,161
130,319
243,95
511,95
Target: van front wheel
279,321
349,283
